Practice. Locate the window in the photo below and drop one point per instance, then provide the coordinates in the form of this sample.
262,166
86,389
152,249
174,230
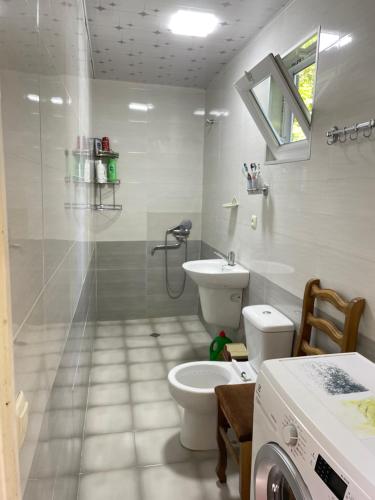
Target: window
279,94
301,65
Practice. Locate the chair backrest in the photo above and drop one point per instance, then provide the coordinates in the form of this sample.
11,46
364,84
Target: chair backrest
346,338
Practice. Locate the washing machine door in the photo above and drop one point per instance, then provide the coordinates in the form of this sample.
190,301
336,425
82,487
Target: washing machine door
276,477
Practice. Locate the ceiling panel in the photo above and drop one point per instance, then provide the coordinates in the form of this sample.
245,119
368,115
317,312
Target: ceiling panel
131,40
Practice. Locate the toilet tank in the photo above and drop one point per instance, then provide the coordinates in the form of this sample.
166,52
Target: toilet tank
269,334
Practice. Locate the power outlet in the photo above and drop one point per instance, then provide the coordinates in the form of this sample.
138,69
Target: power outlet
254,221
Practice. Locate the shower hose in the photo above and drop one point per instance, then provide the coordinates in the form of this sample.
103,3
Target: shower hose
173,294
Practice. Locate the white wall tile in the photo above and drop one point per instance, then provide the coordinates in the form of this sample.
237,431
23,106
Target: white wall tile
317,218
161,156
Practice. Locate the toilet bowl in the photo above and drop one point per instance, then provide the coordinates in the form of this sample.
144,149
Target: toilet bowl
192,385
269,335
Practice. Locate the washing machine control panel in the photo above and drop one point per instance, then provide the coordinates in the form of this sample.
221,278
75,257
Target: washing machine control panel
290,434
326,479
334,482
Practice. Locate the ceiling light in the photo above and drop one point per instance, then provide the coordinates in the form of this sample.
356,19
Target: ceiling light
33,97
57,100
199,112
193,23
139,106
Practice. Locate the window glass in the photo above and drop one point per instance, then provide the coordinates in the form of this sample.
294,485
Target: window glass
305,83
275,108
301,65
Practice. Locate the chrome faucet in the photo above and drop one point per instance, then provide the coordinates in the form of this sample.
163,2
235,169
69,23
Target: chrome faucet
230,257
180,232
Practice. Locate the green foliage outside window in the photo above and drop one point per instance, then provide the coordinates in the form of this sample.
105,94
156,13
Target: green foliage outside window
305,82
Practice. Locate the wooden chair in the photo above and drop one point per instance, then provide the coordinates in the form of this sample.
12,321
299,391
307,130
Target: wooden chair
236,402
346,338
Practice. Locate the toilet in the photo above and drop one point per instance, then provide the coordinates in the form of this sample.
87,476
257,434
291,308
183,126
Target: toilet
269,335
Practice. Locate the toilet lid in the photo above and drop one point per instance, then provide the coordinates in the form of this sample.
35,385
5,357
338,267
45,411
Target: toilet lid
266,318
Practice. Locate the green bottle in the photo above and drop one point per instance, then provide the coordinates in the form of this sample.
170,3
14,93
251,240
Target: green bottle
112,170
217,345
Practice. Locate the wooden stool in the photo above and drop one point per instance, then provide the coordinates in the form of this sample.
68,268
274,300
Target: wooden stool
235,411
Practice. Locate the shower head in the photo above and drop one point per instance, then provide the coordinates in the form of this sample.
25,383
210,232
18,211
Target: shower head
184,225
181,231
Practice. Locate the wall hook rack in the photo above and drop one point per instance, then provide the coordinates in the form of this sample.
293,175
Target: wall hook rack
335,134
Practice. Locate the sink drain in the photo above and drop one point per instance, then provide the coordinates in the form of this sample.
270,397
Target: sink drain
154,335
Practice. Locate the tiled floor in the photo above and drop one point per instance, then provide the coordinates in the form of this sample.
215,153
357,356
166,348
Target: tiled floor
131,445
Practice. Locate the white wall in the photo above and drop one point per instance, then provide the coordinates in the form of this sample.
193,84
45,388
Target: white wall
319,217
161,158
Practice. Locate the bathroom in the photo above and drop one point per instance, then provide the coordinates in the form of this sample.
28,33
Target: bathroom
93,316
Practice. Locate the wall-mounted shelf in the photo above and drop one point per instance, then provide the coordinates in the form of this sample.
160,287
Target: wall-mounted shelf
107,154
98,191
233,204
82,152
80,206
108,183
262,190
99,155
77,180
107,206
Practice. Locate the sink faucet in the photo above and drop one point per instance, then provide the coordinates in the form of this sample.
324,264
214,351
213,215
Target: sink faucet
230,257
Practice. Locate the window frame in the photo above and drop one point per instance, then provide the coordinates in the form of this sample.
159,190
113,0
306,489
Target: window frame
293,74
273,66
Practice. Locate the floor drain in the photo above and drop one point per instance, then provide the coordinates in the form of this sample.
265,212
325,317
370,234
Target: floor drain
155,335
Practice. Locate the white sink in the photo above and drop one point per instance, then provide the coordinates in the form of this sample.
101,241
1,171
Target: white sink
215,273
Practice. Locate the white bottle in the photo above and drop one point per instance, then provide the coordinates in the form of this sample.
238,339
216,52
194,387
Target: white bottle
87,176
101,172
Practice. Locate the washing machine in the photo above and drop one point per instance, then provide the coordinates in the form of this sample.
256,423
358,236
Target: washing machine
314,429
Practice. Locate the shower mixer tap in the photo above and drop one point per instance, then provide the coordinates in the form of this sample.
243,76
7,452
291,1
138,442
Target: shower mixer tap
181,232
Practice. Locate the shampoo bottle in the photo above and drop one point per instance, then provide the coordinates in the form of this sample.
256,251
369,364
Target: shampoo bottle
101,172
112,170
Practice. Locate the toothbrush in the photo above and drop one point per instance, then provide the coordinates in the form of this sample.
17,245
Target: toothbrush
254,175
245,170
259,176
247,174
